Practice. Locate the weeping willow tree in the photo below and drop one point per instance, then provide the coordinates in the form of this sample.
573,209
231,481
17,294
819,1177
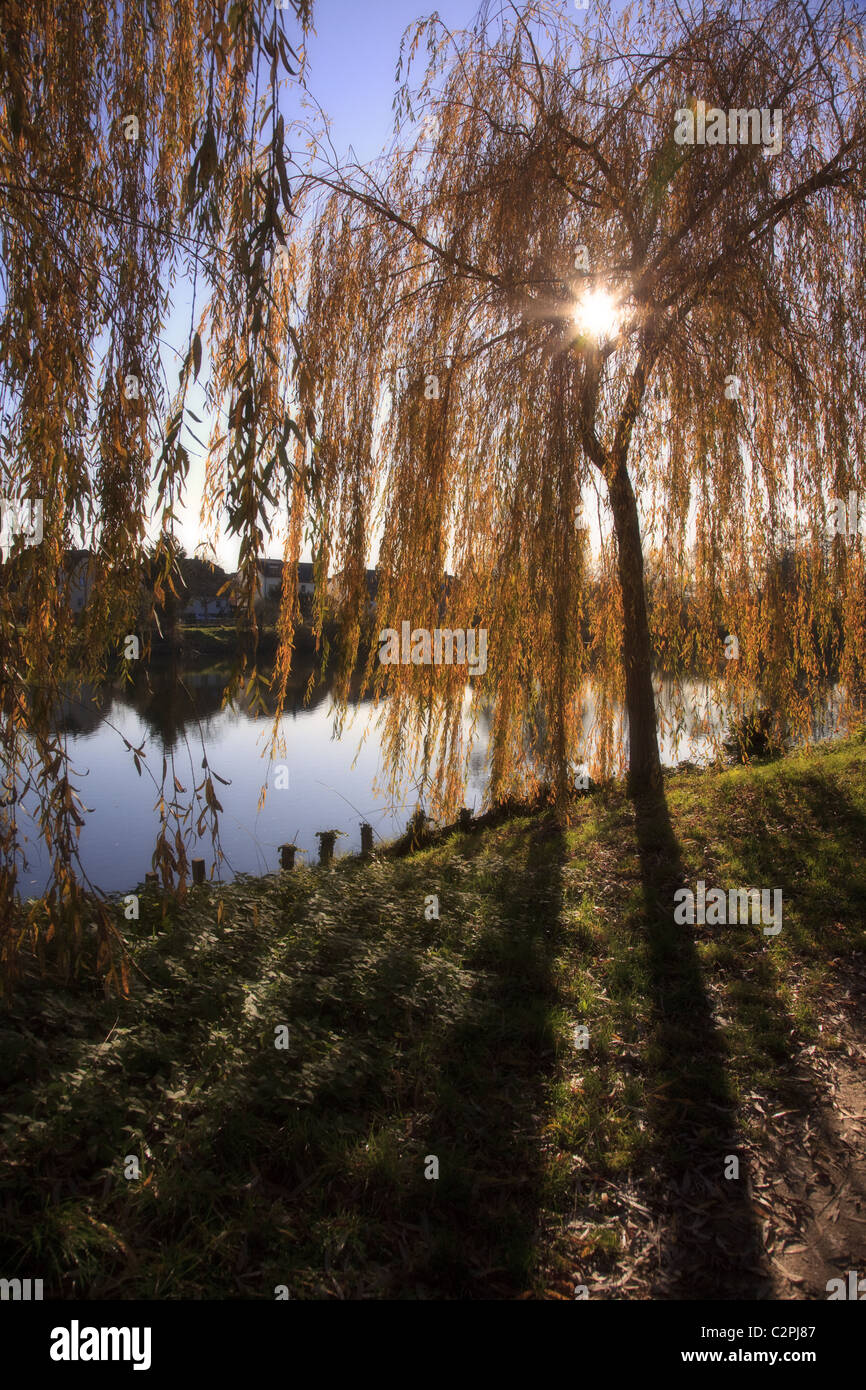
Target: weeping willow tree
544,338
602,298
141,149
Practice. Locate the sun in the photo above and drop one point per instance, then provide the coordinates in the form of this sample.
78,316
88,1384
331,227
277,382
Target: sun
596,315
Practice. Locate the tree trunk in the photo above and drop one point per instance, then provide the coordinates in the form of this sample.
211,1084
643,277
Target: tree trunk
644,768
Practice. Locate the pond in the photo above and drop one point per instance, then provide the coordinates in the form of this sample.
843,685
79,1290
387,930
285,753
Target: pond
330,781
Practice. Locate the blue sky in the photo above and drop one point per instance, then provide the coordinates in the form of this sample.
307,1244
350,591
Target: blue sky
352,58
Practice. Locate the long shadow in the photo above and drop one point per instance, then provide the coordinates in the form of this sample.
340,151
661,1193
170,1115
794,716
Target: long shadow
494,1067
708,1242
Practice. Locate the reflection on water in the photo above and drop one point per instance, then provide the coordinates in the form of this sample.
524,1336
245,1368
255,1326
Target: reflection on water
180,715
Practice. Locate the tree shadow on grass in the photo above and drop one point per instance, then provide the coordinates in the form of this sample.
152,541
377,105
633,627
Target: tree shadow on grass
708,1243
493,1073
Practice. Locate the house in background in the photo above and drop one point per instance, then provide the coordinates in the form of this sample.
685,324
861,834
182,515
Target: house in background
306,581
208,610
270,583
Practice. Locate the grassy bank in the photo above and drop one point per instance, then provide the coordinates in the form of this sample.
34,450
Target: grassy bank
221,642
454,1037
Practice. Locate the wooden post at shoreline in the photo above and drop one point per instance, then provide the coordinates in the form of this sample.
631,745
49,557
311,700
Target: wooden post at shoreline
327,839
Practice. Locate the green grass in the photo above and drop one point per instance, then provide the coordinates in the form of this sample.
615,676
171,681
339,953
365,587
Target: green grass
220,640
452,1037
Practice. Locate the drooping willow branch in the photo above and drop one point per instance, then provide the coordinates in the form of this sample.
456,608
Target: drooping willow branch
137,146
